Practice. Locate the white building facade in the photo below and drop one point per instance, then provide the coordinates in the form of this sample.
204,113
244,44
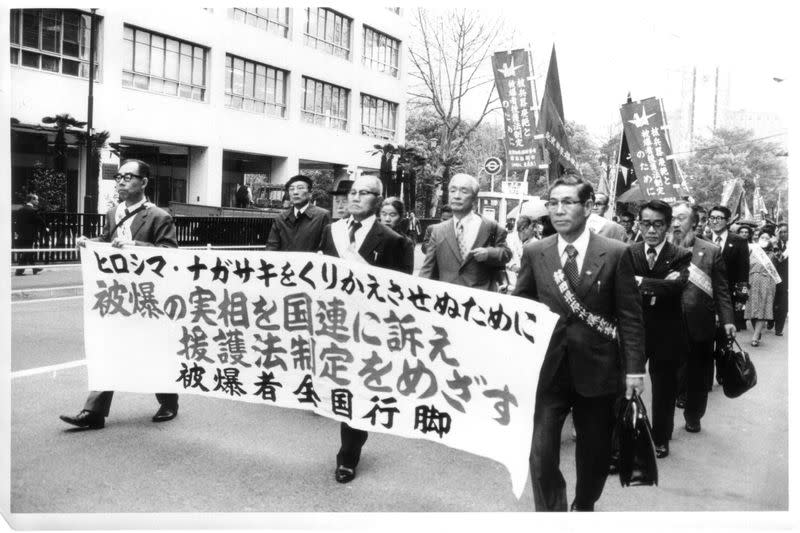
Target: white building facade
213,97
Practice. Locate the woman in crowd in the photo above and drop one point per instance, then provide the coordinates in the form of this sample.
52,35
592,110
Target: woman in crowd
762,285
391,215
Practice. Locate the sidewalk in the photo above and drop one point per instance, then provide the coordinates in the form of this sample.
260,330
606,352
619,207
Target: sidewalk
46,284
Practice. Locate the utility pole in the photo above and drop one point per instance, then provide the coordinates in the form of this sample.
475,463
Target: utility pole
90,195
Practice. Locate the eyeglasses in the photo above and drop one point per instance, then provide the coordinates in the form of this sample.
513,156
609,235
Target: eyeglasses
126,177
600,204
566,203
647,224
354,192
298,188
716,218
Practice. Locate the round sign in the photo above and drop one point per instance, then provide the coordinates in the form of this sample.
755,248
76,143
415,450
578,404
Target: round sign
493,165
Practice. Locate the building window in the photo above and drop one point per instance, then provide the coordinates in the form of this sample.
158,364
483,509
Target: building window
325,104
378,117
328,31
254,87
272,19
381,52
53,40
162,64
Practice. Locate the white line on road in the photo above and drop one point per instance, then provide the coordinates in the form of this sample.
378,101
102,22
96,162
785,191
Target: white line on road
37,300
42,289
46,369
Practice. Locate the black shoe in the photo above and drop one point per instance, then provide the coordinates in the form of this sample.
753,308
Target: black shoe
36,271
85,419
680,402
662,450
19,273
575,508
692,427
779,334
165,413
345,474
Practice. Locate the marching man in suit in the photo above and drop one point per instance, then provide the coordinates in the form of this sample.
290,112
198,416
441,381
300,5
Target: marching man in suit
705,297
361,238
661,270
299,228
134,222
587,279
469,249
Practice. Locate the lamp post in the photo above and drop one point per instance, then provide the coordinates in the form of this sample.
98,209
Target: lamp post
90,195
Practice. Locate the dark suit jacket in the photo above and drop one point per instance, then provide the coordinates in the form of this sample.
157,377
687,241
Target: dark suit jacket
737,260
607,288
782,266
665,335
443,259
382,247
699,309
298,235
28,223
151,227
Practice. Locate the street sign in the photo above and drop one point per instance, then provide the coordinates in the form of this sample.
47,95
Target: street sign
514,187
493,165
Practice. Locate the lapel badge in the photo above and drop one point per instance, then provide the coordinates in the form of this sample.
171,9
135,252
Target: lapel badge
701,254
588,272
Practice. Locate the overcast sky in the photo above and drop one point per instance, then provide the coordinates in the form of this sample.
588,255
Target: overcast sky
606,49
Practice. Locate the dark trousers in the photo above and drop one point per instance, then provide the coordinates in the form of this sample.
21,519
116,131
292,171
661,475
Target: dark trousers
594,422
781,307
352,442
699,375
100,401
25,258
664,378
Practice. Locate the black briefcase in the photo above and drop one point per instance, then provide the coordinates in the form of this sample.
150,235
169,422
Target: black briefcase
736,370
637,451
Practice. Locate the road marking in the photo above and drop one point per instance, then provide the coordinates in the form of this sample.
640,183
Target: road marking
42,289
37,300
46,369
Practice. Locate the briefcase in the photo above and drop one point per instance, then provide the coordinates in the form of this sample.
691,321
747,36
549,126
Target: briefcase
637,451
736,370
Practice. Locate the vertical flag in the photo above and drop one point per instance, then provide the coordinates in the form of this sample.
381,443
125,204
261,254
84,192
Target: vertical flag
512,75
645,131
552,124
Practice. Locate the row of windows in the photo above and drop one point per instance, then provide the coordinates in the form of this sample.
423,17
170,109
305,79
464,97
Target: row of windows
163,64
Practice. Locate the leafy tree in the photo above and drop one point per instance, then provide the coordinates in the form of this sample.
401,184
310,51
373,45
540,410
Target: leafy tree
734,153
51,187
586,152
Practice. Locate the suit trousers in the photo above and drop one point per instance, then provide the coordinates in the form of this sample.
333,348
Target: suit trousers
699,369
664,378
781,307
594,422
352,442
100,401
25,258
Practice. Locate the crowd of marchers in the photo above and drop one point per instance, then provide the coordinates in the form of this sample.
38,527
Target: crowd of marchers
655,293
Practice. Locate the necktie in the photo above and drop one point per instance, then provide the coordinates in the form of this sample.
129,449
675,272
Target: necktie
651,257
718,241
462,242
353,228
571,266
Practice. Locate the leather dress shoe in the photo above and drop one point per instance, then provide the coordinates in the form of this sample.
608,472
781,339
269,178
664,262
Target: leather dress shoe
680,402
662,450
85,419
345,474
578,508
692,427
165,413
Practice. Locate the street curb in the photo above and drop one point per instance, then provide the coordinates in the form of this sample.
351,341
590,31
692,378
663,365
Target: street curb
41,293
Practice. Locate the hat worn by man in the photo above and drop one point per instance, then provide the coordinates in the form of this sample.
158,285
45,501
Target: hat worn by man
299,177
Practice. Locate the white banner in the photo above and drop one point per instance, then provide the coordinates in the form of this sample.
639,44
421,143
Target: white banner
380,350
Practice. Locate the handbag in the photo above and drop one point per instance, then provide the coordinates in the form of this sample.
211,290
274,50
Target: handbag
637,452
736,370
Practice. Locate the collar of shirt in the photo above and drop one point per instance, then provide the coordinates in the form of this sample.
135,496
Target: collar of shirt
361,232
658,248
120,212
580,244
298,212
723,236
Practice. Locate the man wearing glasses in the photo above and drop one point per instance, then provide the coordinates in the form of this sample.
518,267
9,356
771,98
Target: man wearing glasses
601,225
299,229
587,279
662,270
134,222
360,238
735,254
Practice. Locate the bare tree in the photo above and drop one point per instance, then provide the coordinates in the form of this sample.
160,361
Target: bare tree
451,57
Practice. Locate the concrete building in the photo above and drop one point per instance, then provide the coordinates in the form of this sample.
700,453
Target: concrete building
210,97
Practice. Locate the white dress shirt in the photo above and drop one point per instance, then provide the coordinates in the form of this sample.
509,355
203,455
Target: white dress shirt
298,212
580,244
471,224
723,235
124,230
340,232
658,249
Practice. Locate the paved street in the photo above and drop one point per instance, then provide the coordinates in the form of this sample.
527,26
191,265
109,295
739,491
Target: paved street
227,456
